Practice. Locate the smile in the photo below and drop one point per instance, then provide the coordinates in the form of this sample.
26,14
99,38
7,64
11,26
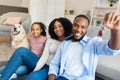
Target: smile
16,32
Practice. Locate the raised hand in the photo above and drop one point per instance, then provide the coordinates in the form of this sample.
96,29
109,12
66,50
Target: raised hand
112,21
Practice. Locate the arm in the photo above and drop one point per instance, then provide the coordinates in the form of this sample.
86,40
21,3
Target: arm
43,59
112,21
28,38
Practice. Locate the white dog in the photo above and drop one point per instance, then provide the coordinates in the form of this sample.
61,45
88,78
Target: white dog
19,38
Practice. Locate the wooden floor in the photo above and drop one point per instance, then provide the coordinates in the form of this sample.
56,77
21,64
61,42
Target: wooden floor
5,49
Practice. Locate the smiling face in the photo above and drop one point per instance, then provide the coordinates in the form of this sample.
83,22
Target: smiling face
58,29
80,27
36,30
17,29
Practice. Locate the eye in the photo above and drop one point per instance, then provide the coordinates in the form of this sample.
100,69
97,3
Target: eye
19,26
83,27
76,25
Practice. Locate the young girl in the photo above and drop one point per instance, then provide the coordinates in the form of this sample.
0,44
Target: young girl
37,38
37,41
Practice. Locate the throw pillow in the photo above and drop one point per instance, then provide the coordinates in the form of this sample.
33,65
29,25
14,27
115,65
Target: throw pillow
12,21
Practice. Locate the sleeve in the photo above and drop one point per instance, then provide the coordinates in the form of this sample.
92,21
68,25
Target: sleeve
28,38
45,55
102,47
55,63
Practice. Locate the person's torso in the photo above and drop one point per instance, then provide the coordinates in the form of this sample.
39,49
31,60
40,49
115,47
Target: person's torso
37,44
74,66
52,48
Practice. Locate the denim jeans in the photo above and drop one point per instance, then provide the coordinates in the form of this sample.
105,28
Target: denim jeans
1,69
20,71
41,74
61,78
20,56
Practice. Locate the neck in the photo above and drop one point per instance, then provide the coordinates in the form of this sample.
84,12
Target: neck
61,38
37,37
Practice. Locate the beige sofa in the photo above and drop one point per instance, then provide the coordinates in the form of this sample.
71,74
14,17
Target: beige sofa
25,21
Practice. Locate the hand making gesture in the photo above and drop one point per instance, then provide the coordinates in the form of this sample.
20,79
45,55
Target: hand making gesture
112,21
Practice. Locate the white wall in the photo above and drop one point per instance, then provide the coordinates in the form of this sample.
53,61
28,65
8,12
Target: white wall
46,10
25,3
55,9
80,6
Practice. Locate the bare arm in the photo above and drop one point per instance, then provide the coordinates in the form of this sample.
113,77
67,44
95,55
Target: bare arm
112,21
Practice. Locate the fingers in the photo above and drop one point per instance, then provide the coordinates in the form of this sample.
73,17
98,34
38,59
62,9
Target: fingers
106,19
111,18
117,19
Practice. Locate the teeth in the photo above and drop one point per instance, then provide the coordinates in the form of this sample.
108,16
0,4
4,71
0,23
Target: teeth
77,34
58,32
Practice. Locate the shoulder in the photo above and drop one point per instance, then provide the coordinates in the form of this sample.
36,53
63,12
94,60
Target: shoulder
97,38
43,38
94,40
29,37
50,40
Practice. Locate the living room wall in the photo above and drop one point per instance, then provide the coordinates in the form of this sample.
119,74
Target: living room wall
79,6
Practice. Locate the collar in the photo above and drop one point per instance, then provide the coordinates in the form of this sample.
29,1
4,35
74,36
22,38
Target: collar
83,41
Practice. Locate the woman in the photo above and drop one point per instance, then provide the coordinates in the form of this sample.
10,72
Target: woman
59,28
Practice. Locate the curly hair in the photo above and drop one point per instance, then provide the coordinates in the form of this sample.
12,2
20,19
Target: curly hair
67,26
42,26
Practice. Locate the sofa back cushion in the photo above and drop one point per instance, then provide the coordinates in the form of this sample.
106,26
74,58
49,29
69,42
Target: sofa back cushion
2,18
12,21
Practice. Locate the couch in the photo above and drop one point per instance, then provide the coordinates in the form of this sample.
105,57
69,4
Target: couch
25,21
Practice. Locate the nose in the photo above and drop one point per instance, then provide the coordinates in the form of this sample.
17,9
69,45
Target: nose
15,29
57,28
79,28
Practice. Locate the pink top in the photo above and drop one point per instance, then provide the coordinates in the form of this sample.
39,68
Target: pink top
37,44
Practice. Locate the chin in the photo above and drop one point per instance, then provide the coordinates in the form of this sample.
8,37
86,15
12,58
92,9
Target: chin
76,37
